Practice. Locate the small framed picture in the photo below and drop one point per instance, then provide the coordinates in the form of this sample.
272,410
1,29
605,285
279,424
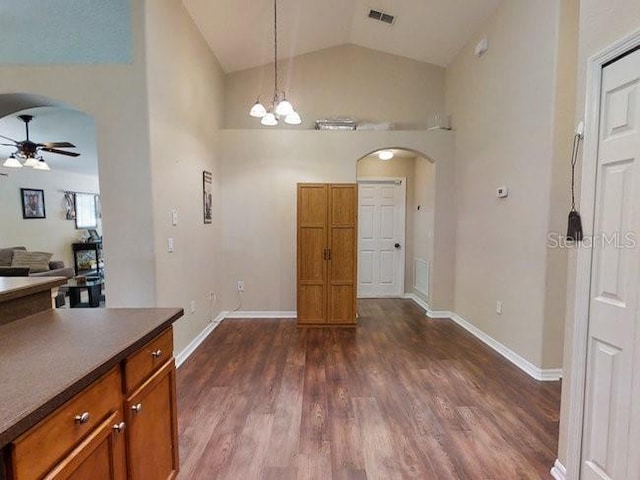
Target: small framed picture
32,203
207,196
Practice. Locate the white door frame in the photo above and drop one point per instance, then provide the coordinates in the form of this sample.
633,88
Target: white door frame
402,241
584,255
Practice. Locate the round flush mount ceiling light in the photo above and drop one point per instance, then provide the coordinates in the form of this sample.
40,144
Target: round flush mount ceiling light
385,154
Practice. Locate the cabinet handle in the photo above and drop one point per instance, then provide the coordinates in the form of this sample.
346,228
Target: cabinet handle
156,354
136,408
82,418
119,427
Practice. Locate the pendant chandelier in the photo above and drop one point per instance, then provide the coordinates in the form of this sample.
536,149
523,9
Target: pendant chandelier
280,107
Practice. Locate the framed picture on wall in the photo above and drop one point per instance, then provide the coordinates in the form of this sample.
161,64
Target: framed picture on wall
32,203
207,196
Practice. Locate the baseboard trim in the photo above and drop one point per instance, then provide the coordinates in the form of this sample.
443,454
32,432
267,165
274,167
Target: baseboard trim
265,314
558,471
427,308
195,343
546,375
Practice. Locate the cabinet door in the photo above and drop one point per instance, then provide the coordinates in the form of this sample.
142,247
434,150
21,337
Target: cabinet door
343,240
312,253
152,446
100,456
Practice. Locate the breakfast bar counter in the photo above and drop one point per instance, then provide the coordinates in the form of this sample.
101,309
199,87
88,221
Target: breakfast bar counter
52,356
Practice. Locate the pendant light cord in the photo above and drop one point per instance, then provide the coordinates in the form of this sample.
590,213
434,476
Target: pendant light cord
275,48
574,158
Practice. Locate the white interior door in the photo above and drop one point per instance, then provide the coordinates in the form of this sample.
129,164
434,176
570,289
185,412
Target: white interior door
611,425
381,216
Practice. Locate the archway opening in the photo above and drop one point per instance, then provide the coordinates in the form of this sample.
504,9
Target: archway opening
55,211
396,224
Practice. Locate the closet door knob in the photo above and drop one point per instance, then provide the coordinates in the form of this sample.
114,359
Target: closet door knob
136,408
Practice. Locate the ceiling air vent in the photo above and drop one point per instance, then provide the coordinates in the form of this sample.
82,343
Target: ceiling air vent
381,16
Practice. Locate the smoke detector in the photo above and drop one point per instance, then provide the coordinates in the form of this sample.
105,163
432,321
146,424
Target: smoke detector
381,16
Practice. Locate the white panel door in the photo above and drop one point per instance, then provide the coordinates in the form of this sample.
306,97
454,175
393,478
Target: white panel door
381,238
610,438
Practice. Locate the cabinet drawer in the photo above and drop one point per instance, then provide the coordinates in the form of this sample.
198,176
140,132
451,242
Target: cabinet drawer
38,450
139,366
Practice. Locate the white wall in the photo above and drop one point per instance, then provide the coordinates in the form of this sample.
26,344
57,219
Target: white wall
185,88
52,234
503,111
600,25
424,218
342,81
115,96
259,170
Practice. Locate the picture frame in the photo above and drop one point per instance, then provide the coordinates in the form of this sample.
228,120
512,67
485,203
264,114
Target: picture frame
207,196
32,203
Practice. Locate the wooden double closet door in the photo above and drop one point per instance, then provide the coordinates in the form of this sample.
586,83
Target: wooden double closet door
327,253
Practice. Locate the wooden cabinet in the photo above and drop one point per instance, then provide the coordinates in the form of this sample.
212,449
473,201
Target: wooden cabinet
90,437
152,446
327,251
99,456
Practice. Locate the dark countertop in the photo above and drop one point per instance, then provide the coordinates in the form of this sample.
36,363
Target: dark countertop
15,287
47,358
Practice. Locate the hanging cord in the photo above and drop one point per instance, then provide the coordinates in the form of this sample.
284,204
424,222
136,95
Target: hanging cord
275,49
574,159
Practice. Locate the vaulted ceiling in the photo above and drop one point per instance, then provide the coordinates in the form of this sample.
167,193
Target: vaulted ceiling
240,32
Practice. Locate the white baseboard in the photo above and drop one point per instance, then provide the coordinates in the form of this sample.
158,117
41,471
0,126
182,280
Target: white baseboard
265,314
195,343
546,375
558,471
427,308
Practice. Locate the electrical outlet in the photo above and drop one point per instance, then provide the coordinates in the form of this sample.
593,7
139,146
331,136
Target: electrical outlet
499,307
193,306
240,286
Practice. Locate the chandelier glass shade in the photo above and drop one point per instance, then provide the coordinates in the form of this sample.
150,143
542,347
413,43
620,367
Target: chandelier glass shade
280,107
37,163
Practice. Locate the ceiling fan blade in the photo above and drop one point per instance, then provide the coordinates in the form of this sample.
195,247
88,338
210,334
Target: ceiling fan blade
60,152
57,145
7,138
8,144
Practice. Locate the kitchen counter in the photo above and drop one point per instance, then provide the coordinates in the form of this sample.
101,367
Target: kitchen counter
48,357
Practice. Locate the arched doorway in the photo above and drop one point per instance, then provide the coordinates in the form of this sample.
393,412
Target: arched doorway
56,228
396,224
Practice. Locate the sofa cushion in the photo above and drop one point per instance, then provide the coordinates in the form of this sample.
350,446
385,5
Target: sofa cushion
59,272
6,255
37,261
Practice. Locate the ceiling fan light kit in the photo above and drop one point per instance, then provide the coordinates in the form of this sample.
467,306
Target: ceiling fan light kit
12,162
28,151
280,106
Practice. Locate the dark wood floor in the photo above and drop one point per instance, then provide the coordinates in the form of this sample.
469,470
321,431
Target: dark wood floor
401,396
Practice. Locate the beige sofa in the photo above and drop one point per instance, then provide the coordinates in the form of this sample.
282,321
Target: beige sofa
8,268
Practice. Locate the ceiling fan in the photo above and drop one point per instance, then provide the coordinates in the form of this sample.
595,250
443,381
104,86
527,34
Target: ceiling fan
30,151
